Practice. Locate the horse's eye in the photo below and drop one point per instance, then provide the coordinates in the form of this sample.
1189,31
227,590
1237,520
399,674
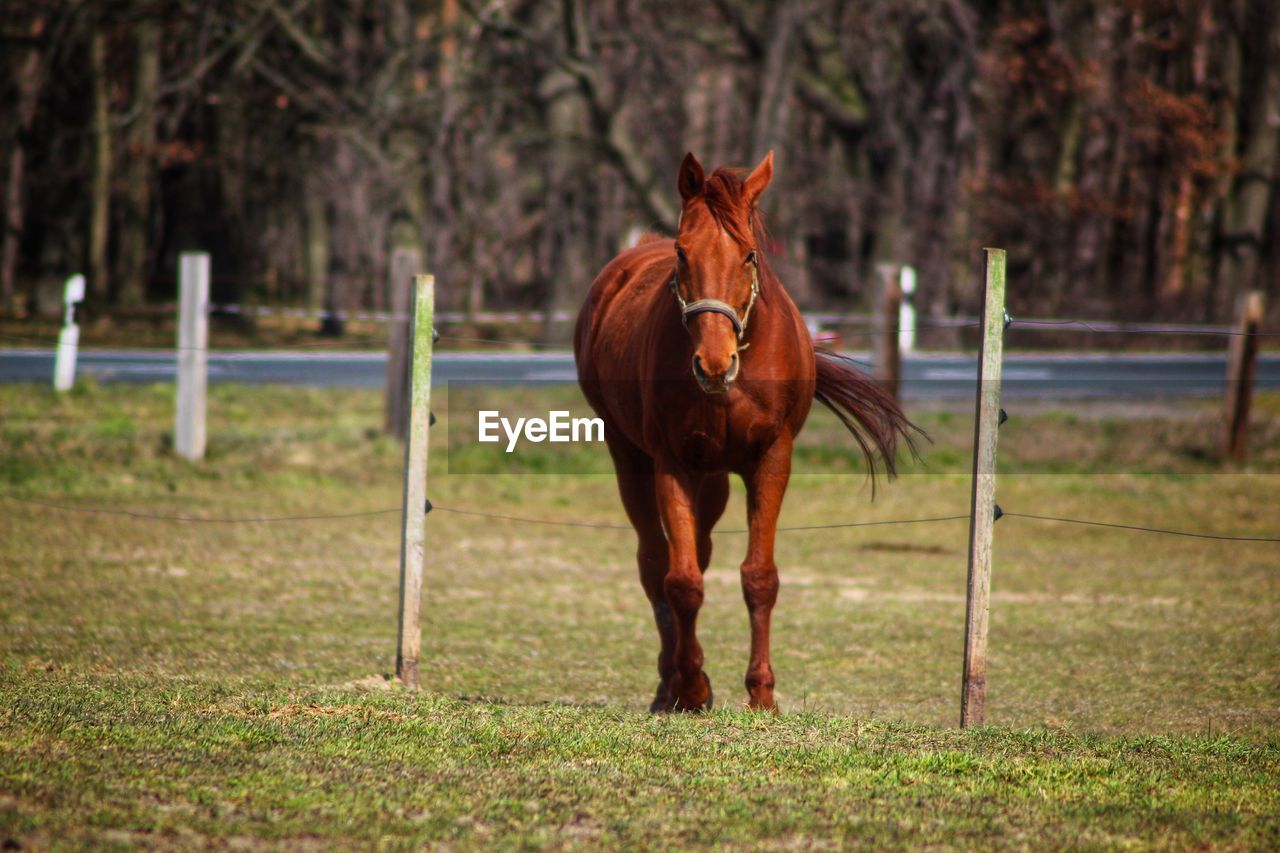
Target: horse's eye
684,259
751,258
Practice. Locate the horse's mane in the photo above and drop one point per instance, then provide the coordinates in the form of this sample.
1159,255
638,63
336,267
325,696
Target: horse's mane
725,195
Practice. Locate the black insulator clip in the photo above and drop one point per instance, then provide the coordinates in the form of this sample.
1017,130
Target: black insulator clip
435,335
431,418
1008,321
999,514
1004,416
428,507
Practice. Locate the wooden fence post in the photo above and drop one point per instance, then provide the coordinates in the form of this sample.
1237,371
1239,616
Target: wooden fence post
1242,365
889,360
982,507
405,264
193,344
413,514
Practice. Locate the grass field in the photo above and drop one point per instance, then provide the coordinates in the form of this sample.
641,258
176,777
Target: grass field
178,684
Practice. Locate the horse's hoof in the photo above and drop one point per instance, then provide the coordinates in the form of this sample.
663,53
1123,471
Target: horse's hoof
661,703
695,707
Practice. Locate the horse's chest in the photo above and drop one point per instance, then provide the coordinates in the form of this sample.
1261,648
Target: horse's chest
723,435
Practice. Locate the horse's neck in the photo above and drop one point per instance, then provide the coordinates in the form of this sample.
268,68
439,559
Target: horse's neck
774,302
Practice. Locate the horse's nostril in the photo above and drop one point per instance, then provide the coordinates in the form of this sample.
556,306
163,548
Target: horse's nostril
697,368
732,373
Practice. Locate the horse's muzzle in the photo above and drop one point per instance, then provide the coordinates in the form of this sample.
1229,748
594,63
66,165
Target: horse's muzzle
719,382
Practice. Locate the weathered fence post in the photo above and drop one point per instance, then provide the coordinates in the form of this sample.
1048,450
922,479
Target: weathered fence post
64,362
889,359
413,514
982,507
1242,365
193,344
405,263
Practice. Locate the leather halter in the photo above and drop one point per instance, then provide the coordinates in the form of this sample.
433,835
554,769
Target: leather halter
716,306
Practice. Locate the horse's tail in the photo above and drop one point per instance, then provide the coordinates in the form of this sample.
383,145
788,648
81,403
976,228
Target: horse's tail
867,410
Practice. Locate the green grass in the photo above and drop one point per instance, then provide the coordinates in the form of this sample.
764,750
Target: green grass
116,759
188,684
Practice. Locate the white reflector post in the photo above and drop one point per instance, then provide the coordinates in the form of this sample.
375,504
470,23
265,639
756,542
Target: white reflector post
64,361
193,346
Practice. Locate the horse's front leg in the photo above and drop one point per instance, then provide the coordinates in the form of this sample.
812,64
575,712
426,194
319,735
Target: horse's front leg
765,487
676,491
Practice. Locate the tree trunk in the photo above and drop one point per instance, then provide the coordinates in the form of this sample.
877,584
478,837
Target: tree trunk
232,198
698,101
771,106
30,81
140,141
565,120
442,191
1258,150
315,211
1175,282
99,285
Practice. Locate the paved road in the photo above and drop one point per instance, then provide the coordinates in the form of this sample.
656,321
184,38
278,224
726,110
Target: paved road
938,376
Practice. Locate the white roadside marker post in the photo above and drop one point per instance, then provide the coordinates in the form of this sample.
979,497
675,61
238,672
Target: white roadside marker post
64,362
193,354
907,313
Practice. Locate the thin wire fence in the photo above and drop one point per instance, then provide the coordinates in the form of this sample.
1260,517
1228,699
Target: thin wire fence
1033,324
1109,327
1162,530
826,318
338,344
195,519
347,343
520,519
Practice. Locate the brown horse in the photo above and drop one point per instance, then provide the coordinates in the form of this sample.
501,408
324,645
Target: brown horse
700,365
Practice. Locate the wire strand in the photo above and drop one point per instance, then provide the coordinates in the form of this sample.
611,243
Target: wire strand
1166,531
195,519
527,520
223,350
919,327
1099,327
531,344
943,324
475,513
600,526
1108,327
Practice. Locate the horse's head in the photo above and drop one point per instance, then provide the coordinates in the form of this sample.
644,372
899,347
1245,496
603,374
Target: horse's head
717,276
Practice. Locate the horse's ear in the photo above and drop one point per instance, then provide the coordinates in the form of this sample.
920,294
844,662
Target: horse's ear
691,177
755,184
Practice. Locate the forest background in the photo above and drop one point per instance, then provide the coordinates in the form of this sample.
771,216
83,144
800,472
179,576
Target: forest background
1127,154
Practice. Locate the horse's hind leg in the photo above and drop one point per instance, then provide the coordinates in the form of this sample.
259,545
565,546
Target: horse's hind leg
635,484
765,488
713,495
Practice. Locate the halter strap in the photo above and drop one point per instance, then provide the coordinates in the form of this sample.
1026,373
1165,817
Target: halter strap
716,306
713,306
